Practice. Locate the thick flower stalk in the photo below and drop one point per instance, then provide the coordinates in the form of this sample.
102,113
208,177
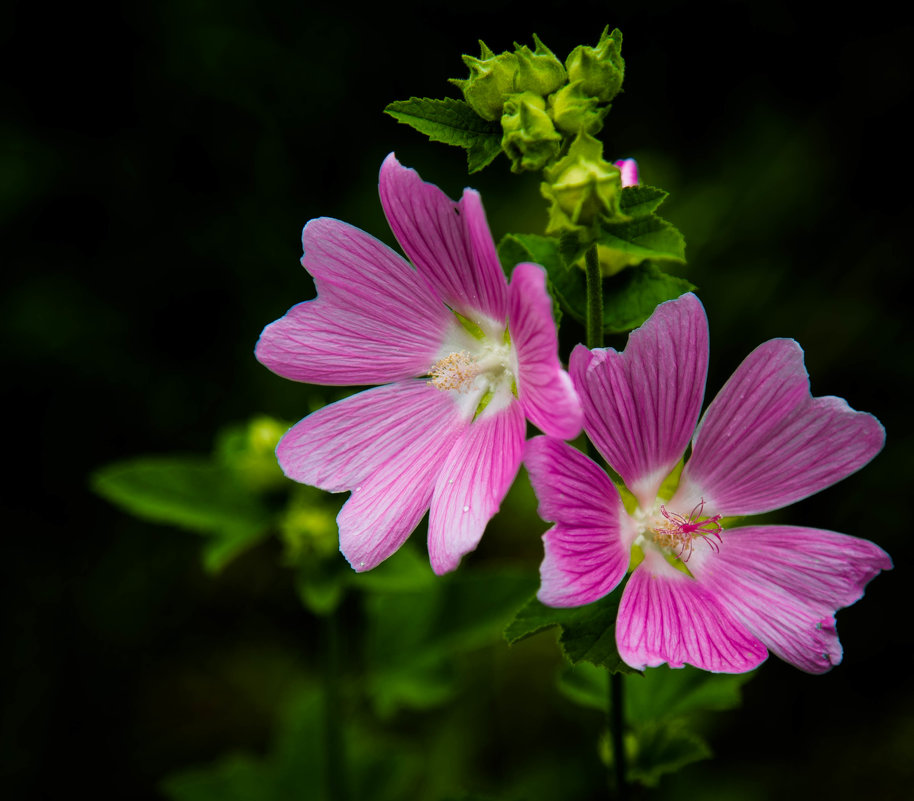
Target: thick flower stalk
704,593
462,357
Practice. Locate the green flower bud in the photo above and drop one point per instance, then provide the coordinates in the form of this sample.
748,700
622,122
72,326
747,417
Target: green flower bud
539,70
581,187
308,527
530,139
491,80
574,111
600,68
249,451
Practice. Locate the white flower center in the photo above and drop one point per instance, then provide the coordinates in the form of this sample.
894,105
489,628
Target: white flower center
465,372
478,363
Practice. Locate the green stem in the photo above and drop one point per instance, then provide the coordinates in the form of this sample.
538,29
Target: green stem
617,735
594,298
337,786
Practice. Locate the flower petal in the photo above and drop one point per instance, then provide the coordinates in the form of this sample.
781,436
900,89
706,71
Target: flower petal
587,551
785,583
450,243
640,406
765,442
472,484
375,319
338,447
385,508
667,616
544,388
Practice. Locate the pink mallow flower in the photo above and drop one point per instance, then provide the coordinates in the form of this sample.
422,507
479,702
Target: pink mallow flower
628,169
704,593
464,359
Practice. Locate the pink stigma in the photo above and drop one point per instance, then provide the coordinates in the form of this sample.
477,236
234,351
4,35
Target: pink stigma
682,531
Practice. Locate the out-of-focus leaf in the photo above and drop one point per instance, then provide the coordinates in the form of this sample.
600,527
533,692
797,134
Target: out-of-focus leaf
405,571
661,708
192,493
296,768
588,632
663,693
664,749
413,637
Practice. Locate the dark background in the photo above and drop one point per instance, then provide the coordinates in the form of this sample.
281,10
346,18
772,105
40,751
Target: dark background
158,163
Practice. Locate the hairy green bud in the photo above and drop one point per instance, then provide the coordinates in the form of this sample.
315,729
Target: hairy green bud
491,79
601,68
581,187
530,139
574,111
539,70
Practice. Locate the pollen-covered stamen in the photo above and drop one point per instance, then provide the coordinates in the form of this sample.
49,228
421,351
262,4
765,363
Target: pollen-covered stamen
455,371
679,532
483,368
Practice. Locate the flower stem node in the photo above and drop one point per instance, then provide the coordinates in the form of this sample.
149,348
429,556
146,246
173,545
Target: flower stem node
530,139
601,68
491,79
582,187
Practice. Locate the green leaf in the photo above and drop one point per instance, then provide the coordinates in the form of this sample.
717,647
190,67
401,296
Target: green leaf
588,633
649,237
188,491
640,200
661,708
192,493
451,122
543,250
413,637
297,765
663,694
629,297
585,685
405,571
664,749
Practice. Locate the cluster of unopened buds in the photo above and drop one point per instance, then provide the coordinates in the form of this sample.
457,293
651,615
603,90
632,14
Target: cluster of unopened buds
549,113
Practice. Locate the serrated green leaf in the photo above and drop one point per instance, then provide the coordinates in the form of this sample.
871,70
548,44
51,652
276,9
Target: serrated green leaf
664,749
451,122
588,633
649,237
640,200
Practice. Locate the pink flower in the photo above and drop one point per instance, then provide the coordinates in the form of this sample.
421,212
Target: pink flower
629,170
763,443
463,358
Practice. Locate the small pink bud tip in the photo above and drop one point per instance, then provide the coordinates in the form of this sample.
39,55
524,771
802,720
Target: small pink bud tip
629,169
